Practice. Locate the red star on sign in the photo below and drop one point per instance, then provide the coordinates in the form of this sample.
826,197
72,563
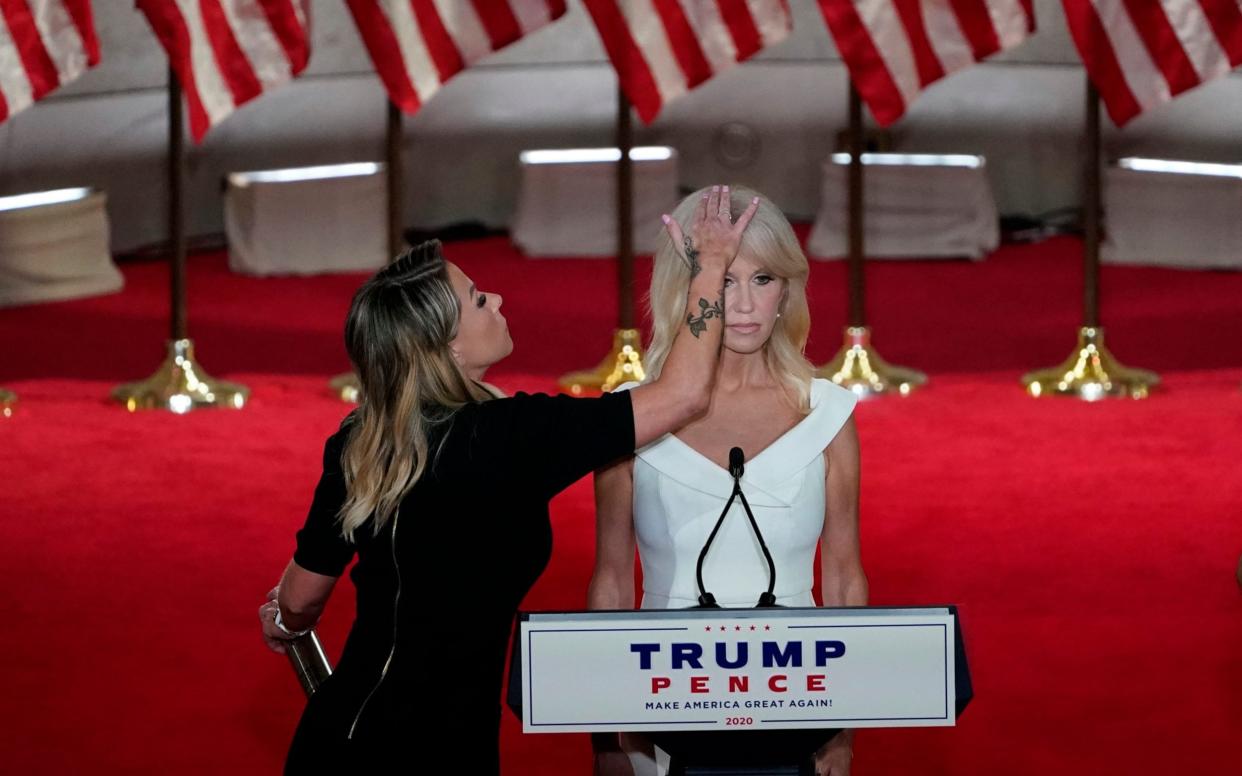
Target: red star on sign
722,628
752,627
737,627
708,628
767,627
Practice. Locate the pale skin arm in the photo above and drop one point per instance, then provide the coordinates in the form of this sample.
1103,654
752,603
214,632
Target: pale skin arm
612,581
301,596
844,581
684,387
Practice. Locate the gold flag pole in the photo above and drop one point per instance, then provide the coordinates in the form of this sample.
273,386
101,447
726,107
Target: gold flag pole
8,400
625,361
857,366
179,384
346,385
1091,372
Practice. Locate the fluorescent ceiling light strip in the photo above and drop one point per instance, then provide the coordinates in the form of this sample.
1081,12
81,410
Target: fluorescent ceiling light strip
322,172
41,198
915,160
1180,167
597,155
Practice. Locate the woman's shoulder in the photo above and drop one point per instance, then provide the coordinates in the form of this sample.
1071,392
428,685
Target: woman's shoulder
831,408
829,396
334,446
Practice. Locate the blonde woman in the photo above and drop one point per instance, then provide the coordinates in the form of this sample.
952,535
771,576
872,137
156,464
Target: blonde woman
801,469
441,489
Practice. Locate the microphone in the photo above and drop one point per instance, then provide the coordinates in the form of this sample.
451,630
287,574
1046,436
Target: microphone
737,461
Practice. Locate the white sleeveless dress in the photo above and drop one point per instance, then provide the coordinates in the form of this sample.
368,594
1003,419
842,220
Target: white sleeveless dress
679,493
678,496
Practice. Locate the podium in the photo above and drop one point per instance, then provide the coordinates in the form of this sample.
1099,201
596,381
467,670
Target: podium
739,691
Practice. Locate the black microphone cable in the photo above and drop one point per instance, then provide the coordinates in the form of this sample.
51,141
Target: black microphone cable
737,461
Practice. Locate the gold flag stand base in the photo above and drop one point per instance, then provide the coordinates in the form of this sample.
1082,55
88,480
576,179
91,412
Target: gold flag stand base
347,387
180,385
1091,373
8,400
858,367
623,364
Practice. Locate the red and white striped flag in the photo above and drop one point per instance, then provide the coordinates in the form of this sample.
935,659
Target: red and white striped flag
1143,53
895,49
662,49
227,52
417,45
44,44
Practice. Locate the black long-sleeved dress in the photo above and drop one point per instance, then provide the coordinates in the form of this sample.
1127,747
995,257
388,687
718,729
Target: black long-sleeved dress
438,588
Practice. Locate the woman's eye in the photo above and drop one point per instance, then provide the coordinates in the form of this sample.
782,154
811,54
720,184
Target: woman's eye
763,280
480,300
728,281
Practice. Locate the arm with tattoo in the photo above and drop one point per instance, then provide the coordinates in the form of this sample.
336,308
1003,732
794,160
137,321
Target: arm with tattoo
698,324
683,388
692,257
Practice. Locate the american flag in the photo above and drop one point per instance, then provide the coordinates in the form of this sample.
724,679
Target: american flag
895,49
1143,54
417,45
227,52
662,49
44,44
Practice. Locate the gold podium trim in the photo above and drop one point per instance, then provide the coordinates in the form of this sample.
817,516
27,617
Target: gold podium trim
180,385
858,367
1091,373
624,363
8,400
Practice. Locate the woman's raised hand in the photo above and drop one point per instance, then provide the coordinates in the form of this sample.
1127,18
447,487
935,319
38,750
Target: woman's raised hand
714,237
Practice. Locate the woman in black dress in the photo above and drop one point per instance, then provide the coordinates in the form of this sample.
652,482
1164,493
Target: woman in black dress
441,489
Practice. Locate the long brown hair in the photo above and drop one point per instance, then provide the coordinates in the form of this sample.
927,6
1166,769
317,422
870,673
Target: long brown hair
397,334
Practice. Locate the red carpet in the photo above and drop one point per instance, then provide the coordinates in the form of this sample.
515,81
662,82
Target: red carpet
1092,548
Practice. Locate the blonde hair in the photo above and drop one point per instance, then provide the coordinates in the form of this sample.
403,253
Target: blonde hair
397,334
770,240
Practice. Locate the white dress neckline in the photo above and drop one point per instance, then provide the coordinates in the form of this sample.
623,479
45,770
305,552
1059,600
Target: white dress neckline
772,467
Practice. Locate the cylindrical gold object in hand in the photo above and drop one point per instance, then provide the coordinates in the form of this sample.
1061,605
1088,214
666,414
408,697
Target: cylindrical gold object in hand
309,662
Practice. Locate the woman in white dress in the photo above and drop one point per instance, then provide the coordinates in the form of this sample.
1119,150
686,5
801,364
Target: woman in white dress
801,469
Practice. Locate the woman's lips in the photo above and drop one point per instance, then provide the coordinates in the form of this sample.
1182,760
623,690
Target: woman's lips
744,328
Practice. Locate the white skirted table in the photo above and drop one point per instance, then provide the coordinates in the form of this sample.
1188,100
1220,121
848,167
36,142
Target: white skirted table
307,220
567,200
916,206
54,245
1173,214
